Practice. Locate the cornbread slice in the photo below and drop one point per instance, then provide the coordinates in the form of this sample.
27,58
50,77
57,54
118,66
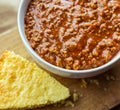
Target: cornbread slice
24,85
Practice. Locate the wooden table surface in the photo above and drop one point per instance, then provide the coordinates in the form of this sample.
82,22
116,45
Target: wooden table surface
8,14
8,21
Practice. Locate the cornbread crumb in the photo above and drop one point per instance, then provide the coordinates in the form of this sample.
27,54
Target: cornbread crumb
110,77
94,81
75,97
84,83
70,102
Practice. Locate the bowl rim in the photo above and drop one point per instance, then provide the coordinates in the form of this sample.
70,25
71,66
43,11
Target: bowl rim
29,48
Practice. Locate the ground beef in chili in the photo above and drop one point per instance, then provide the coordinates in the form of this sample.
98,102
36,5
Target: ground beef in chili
74,34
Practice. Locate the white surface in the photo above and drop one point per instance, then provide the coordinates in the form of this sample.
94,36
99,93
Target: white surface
12,3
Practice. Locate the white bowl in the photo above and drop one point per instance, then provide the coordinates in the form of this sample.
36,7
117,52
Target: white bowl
54,69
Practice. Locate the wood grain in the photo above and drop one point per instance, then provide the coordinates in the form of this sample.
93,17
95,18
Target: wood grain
102,97
7,18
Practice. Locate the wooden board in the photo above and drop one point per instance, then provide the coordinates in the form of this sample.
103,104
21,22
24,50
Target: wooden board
102,97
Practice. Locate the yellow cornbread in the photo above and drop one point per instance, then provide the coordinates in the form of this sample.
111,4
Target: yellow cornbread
24,85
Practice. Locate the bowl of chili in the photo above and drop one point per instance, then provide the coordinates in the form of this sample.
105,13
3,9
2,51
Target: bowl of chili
75,39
